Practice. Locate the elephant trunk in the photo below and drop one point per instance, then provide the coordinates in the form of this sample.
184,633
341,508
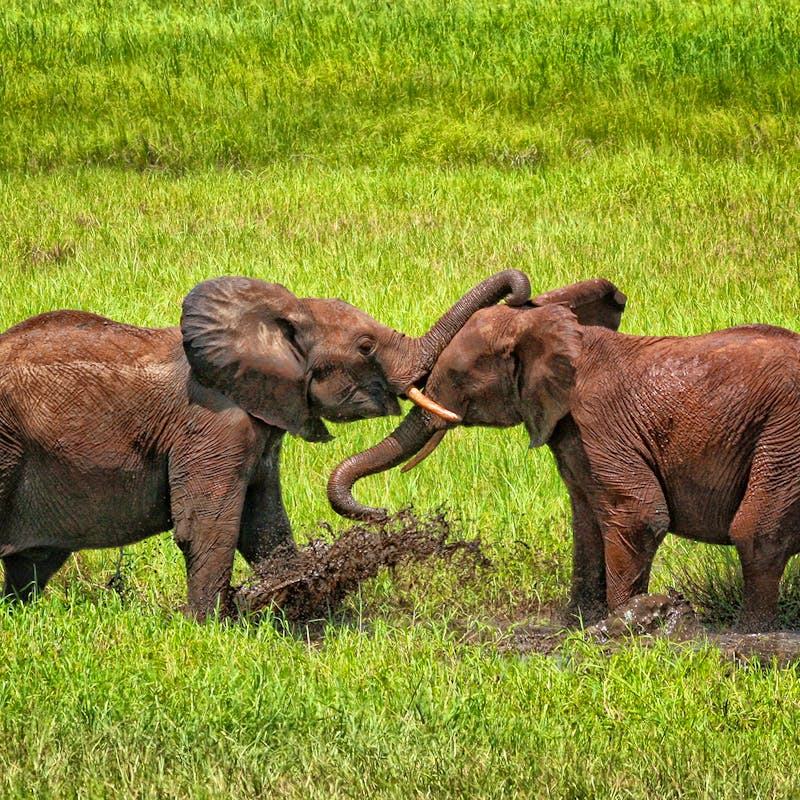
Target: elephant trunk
411,435
510,284
420,427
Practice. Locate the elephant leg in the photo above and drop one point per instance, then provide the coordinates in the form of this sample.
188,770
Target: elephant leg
27,573
633,528
762,579
762,529
209,564
629,559
265,524
206,529
588,594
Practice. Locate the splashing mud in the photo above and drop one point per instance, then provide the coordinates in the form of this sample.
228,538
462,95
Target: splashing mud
305,586
312,581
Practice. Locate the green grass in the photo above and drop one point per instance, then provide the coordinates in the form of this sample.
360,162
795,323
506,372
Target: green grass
393,155
181,85
120,709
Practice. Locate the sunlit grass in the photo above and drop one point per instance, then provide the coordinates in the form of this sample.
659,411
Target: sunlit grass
393,155
182,85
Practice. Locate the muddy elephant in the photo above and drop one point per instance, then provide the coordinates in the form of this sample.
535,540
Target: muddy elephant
110,433
697,435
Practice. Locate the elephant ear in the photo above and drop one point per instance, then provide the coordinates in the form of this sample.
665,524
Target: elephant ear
548,341
594,302
243,337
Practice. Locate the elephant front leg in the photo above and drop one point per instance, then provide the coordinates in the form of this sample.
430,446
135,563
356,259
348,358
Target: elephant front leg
209,564
632,532
27,573
206,523
265,524
588,593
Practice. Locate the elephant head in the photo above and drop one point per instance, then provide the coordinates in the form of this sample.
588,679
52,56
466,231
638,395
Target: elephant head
505,367
291,361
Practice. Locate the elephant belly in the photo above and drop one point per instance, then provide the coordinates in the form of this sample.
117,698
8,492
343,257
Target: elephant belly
54,505
702,513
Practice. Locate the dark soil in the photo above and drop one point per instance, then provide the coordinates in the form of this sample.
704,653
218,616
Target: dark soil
303,584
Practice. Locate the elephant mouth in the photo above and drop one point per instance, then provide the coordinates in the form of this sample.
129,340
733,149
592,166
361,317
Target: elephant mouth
314,430
361,406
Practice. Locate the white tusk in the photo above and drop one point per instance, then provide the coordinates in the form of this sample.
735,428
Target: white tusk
416,396
425,451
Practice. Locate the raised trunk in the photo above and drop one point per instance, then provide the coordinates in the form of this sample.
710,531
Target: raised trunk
419,426
510,284
408,438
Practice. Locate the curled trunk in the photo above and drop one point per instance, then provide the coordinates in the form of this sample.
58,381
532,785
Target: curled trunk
419,425
410,436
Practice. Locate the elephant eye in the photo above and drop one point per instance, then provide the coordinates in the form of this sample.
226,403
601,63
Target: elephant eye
366,346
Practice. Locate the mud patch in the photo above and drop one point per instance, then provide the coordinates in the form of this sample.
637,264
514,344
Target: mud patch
653,617
304,584
669,616
776,647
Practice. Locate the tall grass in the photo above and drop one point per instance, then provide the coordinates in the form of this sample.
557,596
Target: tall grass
190,84
393,154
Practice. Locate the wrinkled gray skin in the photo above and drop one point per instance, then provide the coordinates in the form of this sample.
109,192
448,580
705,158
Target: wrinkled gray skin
110,433
697,435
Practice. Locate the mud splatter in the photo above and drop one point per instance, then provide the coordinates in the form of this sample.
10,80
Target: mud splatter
672,617
310,582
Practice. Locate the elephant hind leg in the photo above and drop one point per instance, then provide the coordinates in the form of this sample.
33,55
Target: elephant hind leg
764,531
763,555
27,573
762,580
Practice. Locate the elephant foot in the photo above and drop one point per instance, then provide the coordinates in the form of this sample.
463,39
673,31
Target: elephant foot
584,614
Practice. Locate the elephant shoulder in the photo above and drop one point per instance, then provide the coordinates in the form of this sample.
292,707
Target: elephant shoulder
215,424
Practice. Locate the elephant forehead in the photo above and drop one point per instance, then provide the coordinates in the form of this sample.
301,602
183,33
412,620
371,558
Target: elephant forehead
488,328
336,319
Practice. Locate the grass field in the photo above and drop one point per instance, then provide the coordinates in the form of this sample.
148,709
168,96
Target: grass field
393,155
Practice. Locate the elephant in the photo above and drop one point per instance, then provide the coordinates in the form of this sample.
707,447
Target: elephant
694,435
110,433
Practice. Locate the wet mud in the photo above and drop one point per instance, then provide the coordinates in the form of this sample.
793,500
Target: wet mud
299,585
307,586
653,617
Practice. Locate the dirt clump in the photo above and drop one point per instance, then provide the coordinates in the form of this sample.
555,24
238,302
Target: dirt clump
306,583
667,615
